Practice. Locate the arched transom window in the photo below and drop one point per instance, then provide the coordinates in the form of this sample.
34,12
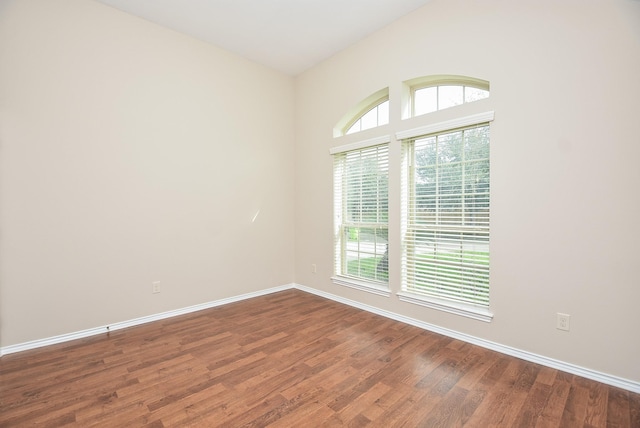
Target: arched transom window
377,115
369,113
441,250
433,93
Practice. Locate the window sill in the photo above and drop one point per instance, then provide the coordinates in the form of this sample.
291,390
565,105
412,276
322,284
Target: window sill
481,314
369,287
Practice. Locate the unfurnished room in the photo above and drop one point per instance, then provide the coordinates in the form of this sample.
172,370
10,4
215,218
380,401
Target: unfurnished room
288,213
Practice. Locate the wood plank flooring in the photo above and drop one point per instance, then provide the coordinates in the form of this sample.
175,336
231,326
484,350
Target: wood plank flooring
292,359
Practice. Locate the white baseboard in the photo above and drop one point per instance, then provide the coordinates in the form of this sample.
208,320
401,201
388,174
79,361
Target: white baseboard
137,321
629,385
626,384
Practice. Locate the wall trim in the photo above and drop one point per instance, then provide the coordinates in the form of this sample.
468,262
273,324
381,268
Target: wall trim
474,119
361,285
360,144
38,343
605,378
464,310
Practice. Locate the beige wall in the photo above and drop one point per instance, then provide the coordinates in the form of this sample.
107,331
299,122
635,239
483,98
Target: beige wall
565,165
130,153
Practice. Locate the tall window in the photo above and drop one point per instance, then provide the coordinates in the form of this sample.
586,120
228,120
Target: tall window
361,213
444,196
446,219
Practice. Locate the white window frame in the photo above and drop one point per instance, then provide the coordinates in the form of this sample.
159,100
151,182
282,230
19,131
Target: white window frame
472,311
436,81
340,277
375,106
359,110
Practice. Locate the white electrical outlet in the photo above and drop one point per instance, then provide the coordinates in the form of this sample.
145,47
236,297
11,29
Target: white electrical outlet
155,287
563,321
314,268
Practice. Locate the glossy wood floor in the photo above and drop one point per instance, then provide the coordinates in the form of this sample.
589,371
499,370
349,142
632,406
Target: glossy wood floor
292,359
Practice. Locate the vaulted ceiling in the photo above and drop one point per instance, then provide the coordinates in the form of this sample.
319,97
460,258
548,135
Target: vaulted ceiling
287,35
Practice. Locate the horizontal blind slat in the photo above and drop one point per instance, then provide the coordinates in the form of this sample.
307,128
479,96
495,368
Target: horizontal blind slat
361,186
446,215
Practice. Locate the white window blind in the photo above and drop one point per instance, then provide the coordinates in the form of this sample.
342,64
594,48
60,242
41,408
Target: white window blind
361,213
446,216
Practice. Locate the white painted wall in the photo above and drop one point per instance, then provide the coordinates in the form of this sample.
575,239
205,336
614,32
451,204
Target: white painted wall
565,88
130,153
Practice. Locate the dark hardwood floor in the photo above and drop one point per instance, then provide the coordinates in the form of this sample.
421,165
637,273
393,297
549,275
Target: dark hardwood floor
292,359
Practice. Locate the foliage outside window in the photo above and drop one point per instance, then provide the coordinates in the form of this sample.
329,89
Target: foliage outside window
361,212
446,219
445,196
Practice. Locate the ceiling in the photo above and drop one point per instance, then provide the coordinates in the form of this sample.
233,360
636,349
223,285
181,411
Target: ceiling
287,35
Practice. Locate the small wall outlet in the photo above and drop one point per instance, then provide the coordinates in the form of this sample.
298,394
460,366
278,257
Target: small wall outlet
314,268
155,287
563,321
